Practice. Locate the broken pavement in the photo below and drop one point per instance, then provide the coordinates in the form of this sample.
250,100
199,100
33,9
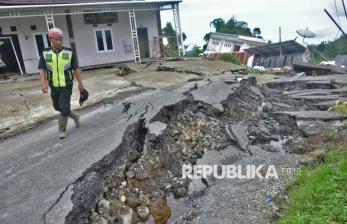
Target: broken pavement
151,135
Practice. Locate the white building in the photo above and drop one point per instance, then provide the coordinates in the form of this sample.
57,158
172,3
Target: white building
230,43
101,32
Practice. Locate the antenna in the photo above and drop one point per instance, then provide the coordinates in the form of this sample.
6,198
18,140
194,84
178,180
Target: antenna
305,33
332,19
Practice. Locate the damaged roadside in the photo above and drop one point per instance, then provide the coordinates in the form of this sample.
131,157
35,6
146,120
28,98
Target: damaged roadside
217,122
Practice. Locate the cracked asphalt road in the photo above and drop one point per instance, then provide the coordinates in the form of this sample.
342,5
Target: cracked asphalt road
37,168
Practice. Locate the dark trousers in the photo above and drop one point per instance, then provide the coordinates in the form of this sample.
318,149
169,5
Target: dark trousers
61,98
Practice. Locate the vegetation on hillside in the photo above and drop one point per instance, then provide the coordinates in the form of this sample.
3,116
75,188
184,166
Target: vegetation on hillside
328,50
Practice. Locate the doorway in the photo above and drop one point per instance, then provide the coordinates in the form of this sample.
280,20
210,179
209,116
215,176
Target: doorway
8,56
142,34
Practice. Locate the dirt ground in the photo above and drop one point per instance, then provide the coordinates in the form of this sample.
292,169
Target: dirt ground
24,105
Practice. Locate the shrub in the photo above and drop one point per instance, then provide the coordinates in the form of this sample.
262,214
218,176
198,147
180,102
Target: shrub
228,57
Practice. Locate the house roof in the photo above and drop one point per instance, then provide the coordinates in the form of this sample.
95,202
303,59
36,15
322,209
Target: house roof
52,2
33,8
39,2
287,47
239,39
31,2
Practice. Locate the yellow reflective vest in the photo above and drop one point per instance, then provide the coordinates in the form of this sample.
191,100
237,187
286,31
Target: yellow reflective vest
59,71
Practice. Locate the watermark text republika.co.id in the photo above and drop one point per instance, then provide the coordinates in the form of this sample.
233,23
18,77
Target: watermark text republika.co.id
236,171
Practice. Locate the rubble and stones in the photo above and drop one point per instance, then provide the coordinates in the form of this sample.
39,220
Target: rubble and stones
257,121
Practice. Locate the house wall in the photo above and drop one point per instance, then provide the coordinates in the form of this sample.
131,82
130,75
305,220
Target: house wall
86,42
214,45
223,46
276,61
227,47
84,38
26,37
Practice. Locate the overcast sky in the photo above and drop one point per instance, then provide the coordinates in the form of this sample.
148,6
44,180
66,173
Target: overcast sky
266,14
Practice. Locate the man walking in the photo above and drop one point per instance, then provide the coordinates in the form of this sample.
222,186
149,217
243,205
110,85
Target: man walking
56,66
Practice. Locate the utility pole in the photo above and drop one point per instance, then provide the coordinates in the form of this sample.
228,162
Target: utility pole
280,37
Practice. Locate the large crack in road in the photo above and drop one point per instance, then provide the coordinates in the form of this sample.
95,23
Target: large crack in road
132,184
126,165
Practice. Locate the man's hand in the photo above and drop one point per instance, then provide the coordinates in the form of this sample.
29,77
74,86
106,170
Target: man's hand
44,85
77,73
80,86
44,88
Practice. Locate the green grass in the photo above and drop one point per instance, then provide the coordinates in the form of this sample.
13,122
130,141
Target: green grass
320,195
342,109
255,71
228,57
331,134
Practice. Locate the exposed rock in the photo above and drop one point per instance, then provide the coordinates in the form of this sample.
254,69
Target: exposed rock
240,134
180,192
104,207
144,200
115,206
97,219
132,200
130,174
314,115
338,102
143,212
126,214
123,198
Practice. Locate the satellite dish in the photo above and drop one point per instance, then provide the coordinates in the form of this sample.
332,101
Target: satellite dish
305,33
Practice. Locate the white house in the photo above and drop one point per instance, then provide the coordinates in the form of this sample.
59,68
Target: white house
230,43
101,32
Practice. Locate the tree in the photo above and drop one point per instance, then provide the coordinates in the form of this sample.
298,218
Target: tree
232,26
217,23
169,32
196,51
207,37
329,49
257,32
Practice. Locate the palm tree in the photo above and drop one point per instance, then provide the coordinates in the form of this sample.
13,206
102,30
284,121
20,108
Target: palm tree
218,23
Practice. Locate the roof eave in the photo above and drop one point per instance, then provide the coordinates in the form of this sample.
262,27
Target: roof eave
122,3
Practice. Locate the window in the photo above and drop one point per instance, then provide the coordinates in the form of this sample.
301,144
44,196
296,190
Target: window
215,42
33,27
227,45
104,40
237,48
42,42
13,28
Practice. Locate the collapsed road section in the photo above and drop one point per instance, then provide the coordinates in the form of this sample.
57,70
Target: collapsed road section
259,124
126,166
